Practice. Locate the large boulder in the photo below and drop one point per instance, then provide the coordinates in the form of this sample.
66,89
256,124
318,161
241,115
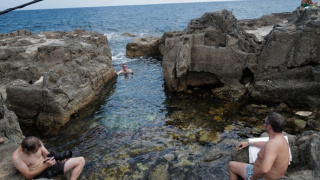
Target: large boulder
272,59
145,46
213,50
50,76
288,68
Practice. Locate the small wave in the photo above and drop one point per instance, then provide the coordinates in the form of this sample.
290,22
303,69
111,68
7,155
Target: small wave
119,56
112,35
121,61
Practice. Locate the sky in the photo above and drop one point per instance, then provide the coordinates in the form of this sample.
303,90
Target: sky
53,4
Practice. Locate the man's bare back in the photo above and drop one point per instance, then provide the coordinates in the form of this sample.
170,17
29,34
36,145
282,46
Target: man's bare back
273,157
279,148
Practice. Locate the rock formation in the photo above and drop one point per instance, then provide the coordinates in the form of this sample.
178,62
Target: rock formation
288,67
146,46
50,76
12,134
274,58
212,50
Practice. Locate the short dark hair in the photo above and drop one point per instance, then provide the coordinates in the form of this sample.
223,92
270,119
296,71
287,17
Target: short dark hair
276,121
30,143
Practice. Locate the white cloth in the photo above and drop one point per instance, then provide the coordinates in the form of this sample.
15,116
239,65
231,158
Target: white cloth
253,150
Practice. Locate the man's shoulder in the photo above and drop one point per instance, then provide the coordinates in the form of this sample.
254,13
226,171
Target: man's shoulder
16,155
278,141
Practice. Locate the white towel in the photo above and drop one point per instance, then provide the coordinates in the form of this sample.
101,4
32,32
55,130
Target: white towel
253,150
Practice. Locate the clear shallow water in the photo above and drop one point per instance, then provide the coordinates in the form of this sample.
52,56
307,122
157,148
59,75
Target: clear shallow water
127,125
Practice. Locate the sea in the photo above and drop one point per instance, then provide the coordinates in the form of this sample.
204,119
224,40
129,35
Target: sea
135,105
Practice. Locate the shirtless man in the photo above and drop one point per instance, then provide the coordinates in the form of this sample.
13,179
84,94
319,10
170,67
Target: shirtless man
31,160
273,158
305,3
125,70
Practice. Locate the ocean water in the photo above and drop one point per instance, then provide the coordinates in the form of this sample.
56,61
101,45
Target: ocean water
131,104
139,20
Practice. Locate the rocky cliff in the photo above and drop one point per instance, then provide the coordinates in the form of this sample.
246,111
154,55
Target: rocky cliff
273,59
47,77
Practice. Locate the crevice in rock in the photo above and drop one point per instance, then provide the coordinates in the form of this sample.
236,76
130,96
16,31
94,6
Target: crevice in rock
247,76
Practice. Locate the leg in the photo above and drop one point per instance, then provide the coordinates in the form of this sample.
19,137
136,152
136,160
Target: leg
237,168
77,164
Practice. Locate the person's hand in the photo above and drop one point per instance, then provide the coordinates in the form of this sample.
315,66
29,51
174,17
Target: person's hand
65,160
242,145
49,161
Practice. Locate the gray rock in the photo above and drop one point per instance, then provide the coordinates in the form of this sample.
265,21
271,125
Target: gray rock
271,59
287,69
12,134
160,172
145,46
69,70
212,50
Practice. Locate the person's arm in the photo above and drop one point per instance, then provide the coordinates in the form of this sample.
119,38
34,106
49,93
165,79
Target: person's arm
44,151
259,144
263,165
119,72
244,144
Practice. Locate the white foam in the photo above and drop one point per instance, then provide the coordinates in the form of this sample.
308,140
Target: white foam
120,55
112,35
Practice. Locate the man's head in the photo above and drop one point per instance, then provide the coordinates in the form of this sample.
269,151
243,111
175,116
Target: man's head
275,120
124,67
31,144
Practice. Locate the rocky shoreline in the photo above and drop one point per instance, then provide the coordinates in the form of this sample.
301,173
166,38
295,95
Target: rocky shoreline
47,77
273,59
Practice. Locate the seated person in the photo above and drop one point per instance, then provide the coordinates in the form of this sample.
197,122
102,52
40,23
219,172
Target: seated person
273,158
31,160
306,3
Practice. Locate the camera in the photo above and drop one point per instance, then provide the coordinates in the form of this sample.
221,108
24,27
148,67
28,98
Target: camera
61,155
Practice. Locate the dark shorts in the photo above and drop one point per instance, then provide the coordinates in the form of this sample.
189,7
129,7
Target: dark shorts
52,171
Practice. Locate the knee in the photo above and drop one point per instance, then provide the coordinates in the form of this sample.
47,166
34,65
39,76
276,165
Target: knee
82,161
231,165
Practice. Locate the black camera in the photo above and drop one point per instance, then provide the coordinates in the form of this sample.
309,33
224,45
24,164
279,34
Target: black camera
61,155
